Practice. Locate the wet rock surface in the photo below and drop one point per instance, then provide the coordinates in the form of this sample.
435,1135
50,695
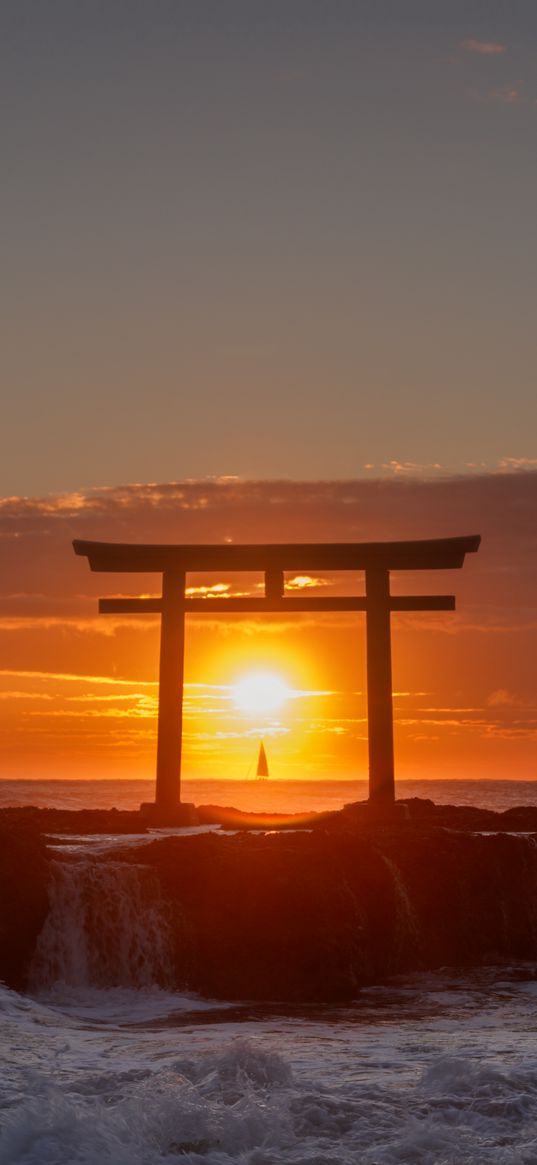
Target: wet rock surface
310,912
415,810
24,875
314,916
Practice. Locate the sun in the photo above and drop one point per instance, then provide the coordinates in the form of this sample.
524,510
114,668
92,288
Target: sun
260,692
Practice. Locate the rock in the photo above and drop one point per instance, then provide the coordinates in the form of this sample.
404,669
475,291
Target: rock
260,918
305,915
313,917
24,871
46,821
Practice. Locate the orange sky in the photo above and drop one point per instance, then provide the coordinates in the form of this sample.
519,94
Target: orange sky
78,691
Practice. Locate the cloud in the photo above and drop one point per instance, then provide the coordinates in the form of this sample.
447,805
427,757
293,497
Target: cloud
507,95
41,577
50,631
106,627
484,48
302,582
14,695
75,678
501,698
215,589
513,464
137,713
407,468
240,734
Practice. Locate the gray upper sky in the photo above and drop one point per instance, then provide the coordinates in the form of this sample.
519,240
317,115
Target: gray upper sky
265,237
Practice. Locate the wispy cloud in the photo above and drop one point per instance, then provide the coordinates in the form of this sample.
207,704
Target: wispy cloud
507,95
26,696
106,627
110,681
513,464
407,468
464,659
215,590
136,713
484,48
501,698
304,582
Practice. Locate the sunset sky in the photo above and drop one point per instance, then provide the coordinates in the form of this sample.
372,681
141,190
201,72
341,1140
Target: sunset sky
280,257
78,690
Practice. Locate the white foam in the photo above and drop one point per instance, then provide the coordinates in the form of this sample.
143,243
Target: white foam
437,1070
97,844
123,1005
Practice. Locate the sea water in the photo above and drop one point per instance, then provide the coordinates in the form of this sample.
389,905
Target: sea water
436,1070
102,1064
270,796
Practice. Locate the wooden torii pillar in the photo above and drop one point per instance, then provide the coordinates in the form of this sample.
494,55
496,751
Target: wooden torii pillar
375,559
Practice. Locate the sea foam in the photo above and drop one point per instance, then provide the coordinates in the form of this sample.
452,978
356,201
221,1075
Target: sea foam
431,1072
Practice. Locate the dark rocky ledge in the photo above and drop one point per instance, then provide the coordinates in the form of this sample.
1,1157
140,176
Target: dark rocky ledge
415,811
314,916
24,875
311,911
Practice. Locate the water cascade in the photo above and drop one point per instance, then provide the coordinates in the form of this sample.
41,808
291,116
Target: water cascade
107,927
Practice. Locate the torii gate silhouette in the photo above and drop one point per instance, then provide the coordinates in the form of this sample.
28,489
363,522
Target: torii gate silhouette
375,559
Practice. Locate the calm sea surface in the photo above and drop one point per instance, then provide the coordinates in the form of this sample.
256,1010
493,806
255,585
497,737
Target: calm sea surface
273,795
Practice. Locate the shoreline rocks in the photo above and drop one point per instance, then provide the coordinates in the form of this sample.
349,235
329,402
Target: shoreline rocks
24,877
287,908
359,816
313,917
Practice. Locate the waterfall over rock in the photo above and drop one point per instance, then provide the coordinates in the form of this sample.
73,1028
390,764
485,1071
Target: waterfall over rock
107,926
306,916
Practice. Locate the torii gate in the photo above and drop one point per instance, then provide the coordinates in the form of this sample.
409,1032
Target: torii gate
375,559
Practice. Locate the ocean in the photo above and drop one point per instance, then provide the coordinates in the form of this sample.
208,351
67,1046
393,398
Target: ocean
99,1066
273,795
437,1070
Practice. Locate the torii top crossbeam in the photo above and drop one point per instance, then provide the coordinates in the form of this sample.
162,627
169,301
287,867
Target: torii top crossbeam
375,559
428,554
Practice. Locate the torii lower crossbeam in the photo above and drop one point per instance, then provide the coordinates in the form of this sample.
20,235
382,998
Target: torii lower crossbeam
375,559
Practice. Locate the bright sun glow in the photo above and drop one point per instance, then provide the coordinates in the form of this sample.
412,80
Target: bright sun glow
260,692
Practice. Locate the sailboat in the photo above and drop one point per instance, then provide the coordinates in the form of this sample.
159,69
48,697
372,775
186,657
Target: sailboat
262,764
